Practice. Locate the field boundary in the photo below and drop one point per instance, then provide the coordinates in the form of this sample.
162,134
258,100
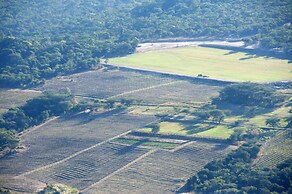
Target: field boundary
143,89
203,80
179,137
29,130
119,170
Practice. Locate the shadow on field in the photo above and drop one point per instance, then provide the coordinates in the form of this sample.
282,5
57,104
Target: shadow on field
131,147
255,53
193,129
220,147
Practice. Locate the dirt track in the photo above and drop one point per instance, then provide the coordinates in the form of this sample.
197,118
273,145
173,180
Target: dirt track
146,47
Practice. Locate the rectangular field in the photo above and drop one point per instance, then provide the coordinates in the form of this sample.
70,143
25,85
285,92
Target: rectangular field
104,84
216,63
175,92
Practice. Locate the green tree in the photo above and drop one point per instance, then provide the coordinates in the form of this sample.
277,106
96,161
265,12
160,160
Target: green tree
217,116
8,139
273,122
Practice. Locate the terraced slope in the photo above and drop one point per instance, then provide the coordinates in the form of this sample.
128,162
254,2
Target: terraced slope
275,150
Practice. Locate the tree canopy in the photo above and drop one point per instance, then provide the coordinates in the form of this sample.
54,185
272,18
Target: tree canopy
249,94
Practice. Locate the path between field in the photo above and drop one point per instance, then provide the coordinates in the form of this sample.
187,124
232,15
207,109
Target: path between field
119,170
72,156
27,131
143,89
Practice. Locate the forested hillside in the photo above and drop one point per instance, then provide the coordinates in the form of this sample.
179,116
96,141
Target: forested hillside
40,39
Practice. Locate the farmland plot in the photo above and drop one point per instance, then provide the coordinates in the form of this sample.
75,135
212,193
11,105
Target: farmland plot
275,150
178,92
90,166
104,84
162,171
67,135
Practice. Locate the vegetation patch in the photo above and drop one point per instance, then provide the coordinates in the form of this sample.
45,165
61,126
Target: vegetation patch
58,188
214,63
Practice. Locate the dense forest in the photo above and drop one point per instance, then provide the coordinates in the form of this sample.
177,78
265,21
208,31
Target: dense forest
42,39
235,174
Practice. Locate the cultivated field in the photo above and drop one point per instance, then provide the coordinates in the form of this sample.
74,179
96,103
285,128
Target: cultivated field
215,63
105,83
90,166
144,88
161,171
275,150
183,92
62,137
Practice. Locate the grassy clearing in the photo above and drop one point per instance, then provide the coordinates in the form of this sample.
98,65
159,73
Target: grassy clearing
200,129
220,131
216,63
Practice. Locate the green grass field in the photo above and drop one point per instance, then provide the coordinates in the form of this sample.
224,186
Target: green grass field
199,129
215,63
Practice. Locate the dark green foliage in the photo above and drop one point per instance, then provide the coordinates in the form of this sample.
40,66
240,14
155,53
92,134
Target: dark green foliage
7,139
36,111
249,94
154,127
234,174
202,115
217,116
273,122
266,22
236,136
58,189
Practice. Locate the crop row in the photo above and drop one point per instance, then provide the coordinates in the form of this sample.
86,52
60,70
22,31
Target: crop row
67,135
276,150
91,166
162,171
178,92
104,84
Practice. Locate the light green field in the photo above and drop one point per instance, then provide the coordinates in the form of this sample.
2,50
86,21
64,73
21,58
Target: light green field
215,63
217,132
200,129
